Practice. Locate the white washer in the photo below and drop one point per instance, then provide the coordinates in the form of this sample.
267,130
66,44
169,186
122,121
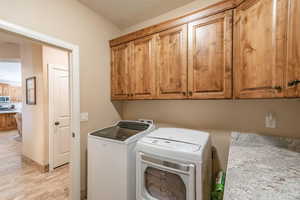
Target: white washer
174,164
111,160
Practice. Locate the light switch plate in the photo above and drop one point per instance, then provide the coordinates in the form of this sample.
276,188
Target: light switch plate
84,117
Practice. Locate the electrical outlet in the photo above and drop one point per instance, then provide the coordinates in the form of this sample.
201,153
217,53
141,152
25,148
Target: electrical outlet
84,117
270,120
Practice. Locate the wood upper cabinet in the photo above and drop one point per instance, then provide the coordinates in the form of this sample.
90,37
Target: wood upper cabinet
120,80
237,48
4,89
15,93
292,75
210,57
171,63
142,68
260,48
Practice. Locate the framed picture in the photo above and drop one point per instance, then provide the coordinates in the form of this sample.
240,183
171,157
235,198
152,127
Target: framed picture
31,91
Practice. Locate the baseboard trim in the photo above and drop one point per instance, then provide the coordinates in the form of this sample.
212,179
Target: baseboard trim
41,168
83,195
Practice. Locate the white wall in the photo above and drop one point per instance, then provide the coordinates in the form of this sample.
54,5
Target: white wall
73,22
220,117
178,12
33,132
9,52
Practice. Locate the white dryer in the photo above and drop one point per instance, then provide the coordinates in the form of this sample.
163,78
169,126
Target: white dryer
174,163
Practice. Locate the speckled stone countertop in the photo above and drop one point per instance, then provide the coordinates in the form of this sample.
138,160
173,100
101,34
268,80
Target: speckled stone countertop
263,168
9,111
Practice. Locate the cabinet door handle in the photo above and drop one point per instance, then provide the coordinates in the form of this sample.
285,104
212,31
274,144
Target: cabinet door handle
184,93
293,83
190,93
278,88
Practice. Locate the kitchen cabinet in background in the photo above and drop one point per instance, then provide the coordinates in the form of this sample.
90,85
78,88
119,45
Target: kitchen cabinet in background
4,89
14,92
7,121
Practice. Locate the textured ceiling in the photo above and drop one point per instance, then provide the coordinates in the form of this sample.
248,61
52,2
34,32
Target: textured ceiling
125,13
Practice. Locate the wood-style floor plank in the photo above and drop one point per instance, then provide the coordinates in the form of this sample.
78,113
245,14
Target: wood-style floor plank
22,181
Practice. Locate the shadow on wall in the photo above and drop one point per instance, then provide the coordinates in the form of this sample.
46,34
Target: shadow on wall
219,118
233,115
118,107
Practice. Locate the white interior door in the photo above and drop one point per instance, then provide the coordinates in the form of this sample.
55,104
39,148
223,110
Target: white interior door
59,108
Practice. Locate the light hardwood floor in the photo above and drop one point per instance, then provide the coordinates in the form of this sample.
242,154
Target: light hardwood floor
21,181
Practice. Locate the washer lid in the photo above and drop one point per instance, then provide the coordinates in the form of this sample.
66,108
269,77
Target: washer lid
181,135
122,131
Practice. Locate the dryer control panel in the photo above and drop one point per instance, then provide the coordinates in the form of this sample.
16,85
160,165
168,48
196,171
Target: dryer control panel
172,144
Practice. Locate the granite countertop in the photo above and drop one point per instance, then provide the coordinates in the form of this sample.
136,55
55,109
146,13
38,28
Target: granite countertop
9,111
263,168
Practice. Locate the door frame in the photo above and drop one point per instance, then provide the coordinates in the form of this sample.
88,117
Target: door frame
74,73
51,120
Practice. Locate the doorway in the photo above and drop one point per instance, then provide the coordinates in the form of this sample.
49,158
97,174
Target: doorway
74,129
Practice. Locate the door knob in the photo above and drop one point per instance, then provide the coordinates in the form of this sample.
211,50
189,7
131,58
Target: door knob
56,123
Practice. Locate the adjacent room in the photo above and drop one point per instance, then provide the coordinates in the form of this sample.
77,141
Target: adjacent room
34,120
150,99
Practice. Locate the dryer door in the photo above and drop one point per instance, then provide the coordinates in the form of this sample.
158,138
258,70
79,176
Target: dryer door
164,180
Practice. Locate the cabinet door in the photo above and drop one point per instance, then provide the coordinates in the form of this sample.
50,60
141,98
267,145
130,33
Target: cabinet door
172,63
12,94
1,89
260,48
142,68
120,80
4,89
7,122
293,65
19,94
210,57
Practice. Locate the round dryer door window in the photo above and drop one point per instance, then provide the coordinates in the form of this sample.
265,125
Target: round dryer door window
164,185
161,179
